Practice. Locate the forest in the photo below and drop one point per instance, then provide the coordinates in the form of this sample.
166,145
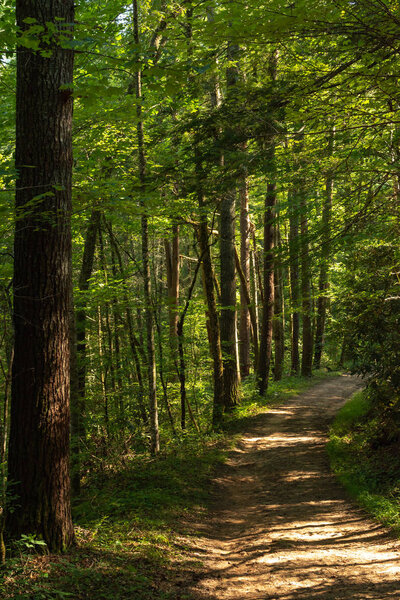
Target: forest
200,214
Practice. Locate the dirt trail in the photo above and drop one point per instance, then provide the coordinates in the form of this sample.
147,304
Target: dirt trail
282,527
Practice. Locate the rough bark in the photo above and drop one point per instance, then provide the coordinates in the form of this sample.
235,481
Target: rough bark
38,461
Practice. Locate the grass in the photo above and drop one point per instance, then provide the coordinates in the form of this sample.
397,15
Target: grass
130,527
135,518
368,468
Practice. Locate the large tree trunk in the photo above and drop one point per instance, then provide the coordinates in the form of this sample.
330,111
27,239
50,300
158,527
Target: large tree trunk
38,461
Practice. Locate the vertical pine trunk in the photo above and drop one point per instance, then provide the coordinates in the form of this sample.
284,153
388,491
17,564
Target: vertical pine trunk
172,264
307,353
228,300
279,316
135,345
323,283
172,256
294,242
213,325
244,330
78,389
149,317
269,291
227,262
269,260
38,461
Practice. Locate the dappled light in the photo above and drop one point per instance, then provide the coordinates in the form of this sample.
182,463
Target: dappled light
282,527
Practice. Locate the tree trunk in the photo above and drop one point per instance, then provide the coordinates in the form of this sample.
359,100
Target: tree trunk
269,292
79,347
172,261
149,317
38,461
279,316
212,313
227,265
269,261
323,283
250,306
135,345
294,282
244,336
306,358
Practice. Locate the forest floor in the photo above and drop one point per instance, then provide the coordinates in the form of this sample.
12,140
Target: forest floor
281,527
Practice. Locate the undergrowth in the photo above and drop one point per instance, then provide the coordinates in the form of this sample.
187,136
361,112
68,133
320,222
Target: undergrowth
135,518
365,456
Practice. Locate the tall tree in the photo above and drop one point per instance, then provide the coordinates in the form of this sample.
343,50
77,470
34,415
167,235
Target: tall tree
245,265
151,352
269,244
78,364
38,462
294,281
227,257
323,282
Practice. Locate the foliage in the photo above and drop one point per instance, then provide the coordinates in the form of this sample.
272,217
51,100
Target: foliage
365,456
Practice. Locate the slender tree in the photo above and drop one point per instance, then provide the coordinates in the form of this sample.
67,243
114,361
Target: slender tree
151,353
323,282
245,266
227,259
294,281
78,364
